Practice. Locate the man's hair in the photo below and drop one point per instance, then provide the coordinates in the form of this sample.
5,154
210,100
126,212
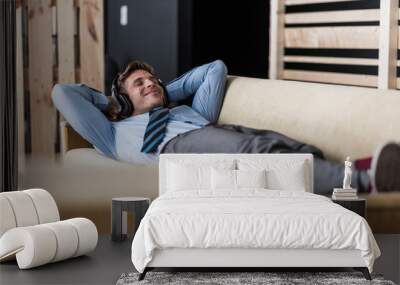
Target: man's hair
131,68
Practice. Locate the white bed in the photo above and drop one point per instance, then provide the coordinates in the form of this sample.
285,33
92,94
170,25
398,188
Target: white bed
200,220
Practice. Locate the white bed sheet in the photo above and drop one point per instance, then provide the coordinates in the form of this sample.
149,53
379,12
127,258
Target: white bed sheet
251,218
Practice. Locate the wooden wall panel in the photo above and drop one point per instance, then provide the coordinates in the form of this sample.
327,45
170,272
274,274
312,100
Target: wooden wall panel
43,114
388,44
366,37
333,16
331,77
331,60
301,2
398,61
92,43
276,45
66,41
362,29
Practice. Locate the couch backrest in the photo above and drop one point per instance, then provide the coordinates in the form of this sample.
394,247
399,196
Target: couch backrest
340,120
281,168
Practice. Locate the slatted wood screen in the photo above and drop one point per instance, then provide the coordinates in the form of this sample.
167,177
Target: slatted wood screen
62,41
335,41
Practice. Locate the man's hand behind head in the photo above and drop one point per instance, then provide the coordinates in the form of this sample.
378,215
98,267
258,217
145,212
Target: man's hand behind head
113,109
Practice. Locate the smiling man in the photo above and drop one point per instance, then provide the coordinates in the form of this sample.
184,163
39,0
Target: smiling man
142,89
116,125
144,118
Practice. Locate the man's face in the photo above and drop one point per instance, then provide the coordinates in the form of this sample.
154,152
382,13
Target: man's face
144,91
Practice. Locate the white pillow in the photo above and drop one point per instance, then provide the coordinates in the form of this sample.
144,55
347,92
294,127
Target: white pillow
227,179
183,175
251,178
281,174
223,179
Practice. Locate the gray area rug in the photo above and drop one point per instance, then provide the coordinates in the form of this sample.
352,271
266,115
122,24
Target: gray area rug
228,278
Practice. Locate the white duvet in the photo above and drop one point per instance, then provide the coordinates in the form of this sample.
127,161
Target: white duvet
250,219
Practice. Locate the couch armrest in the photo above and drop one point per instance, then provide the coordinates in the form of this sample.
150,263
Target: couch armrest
383,212
84,183
70,139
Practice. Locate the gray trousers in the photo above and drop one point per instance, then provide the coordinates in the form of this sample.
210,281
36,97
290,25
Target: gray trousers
238,139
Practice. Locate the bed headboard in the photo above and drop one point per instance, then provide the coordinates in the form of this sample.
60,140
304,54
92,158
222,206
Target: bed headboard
204,159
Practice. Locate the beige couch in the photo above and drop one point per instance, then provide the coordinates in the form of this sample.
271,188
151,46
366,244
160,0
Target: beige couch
340,120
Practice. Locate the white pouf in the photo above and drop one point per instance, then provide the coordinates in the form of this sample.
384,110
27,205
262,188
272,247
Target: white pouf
31,232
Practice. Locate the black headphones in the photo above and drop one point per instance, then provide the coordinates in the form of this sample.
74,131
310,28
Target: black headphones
126,105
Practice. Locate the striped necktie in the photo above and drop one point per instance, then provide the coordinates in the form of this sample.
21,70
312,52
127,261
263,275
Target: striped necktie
155,130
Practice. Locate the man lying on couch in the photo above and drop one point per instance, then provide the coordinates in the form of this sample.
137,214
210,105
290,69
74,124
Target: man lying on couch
144,118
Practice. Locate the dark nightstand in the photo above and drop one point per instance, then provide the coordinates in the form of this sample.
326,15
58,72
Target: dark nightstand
120,206
358,206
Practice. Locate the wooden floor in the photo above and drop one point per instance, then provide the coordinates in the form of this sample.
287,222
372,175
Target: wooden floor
111,259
